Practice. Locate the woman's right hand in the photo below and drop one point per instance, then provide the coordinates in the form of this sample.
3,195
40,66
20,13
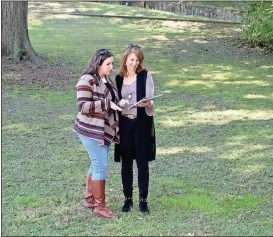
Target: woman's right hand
114,106
146,104
123,102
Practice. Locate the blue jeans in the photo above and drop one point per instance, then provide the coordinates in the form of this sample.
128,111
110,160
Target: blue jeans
98,157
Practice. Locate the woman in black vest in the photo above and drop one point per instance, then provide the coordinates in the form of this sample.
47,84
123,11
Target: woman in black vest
137,133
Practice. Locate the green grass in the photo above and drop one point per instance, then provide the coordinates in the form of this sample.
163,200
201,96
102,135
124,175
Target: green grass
229,206
107,9
213,171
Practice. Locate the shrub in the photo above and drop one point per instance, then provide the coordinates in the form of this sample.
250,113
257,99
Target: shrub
258,26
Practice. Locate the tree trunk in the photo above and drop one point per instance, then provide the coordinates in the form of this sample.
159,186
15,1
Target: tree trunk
143,5
15,41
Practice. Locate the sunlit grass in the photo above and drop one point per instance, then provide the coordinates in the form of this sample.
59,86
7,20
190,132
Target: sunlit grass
251,96
107,9
211,116
180,150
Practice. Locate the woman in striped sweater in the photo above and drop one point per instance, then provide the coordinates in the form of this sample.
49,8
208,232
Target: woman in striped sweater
97,125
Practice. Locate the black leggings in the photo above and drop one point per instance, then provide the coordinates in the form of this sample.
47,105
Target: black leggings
128,153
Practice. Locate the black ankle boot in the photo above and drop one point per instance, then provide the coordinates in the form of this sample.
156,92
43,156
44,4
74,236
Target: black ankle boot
128,204
143,206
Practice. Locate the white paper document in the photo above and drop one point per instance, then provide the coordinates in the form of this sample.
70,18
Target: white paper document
144,100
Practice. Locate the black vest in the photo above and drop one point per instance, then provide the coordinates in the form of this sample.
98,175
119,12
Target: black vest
145,124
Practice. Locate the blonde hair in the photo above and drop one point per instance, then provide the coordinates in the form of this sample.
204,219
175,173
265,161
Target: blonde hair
135,49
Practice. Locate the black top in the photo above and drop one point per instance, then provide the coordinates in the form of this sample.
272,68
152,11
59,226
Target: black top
146,142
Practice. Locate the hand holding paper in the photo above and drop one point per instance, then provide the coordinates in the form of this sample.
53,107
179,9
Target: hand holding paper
114,106
123,102
144,100
149,103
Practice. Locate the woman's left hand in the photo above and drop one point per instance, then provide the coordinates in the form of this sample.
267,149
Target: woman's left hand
147,104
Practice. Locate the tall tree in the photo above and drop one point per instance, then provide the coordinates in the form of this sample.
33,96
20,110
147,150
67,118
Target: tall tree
14,29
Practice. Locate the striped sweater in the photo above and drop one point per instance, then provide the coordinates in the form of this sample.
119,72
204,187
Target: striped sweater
95,118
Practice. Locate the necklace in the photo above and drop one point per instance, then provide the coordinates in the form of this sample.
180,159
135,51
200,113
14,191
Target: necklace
130,94
131,74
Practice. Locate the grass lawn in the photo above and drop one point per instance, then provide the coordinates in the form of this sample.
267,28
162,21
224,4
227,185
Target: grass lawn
213,173
106,9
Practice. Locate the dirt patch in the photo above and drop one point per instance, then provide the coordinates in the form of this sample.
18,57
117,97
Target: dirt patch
26,73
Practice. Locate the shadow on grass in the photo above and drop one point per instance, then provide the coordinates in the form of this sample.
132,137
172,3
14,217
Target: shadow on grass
214,156
204,59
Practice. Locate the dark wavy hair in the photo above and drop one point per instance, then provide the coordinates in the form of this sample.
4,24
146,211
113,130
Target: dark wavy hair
97,59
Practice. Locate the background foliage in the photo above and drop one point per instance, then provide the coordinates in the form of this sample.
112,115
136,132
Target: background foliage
258,30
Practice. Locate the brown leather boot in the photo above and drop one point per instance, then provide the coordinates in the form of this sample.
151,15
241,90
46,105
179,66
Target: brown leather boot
98,190
89,201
